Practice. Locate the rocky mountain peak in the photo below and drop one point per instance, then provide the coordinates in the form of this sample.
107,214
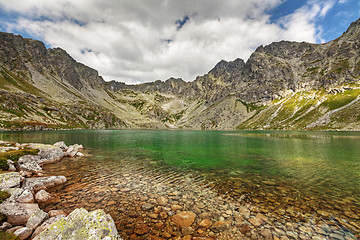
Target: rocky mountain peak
225,69
353,32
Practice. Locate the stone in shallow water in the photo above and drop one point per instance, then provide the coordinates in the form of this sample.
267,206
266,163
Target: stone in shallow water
42,196
81,224
142,229
9,180
54,213
184,219
256,222
162,201
147,206
269,183
244,211
205,223
73,150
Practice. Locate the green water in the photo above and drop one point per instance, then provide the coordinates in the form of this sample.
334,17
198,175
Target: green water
311,161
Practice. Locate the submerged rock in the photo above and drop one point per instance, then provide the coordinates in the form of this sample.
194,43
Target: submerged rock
9,180
81,224
184,219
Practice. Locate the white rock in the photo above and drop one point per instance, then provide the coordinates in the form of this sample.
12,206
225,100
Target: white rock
18,213
79,154
25,197
36,219
73,150
25,174
23,233
61,145
50,155
12,167
5,226
42,196
15,193
36,184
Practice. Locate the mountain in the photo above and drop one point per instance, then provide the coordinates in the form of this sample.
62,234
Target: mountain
284,85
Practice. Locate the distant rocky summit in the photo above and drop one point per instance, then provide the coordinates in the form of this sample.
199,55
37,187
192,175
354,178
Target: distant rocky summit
285,85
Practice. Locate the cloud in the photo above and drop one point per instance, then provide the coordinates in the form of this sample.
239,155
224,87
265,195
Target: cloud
137,41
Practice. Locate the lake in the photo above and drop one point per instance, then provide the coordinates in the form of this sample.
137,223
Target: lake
309,180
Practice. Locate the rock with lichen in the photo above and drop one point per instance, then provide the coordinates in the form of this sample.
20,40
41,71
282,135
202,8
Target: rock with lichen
81,224
9,180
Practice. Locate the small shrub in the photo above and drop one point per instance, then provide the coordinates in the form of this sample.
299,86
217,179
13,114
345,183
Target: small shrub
4,196
3,164
3,219
8,236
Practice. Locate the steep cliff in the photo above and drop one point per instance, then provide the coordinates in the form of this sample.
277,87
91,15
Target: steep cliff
285,85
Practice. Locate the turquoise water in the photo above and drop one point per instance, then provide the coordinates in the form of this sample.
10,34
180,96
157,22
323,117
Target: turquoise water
326,162
291,175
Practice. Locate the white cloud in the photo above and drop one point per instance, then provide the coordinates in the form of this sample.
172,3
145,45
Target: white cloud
127,39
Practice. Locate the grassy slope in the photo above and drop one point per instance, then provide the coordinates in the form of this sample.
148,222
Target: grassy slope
315,110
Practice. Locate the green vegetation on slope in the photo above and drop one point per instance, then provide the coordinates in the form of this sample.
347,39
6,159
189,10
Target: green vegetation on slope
303,109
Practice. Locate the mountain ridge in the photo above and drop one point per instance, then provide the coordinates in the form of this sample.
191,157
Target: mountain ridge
283,85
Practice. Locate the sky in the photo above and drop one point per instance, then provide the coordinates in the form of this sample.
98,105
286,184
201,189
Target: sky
135,41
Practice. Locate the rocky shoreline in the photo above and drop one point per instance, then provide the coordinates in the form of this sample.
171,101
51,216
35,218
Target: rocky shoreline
24,187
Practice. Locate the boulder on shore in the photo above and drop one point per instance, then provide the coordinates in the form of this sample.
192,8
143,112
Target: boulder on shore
46,224
50,155
81,224
36,184
18,213
73,150
29,163
25,197
61,145
23,233
9,180
36,219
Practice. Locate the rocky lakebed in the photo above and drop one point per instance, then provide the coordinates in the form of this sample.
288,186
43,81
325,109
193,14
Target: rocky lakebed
76,198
